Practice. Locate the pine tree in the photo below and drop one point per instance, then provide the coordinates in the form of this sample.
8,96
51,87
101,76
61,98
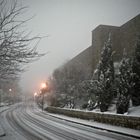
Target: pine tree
106,77
136,78
125,84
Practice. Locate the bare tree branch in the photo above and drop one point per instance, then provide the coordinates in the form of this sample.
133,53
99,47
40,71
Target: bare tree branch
16,47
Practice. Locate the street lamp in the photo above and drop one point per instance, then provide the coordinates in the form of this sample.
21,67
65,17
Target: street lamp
43,90
43,85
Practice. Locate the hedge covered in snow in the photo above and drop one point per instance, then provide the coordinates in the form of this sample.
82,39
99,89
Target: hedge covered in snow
119,120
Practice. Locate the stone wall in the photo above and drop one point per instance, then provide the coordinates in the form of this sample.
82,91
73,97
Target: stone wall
119,120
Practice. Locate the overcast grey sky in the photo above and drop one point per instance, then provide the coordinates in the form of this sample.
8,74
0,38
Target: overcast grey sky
69,24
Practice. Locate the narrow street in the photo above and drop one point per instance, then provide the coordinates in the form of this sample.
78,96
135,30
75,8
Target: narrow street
25,122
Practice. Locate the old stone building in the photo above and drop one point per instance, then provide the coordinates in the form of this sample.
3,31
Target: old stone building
122,37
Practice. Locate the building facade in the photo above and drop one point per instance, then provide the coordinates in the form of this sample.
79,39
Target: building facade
122,37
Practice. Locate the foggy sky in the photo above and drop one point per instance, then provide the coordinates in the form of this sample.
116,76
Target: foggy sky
69,24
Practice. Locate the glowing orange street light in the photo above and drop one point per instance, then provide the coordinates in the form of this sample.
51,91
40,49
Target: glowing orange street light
43,85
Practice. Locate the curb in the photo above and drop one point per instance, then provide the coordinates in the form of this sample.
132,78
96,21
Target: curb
125,134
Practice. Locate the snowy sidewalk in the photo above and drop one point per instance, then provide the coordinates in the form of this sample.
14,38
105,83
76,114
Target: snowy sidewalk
116,129
2,133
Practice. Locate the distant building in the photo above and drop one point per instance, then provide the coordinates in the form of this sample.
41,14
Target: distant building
122,37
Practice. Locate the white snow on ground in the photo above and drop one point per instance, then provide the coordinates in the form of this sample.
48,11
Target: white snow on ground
1,128
3,108
133,111
99,125
128,131
11,134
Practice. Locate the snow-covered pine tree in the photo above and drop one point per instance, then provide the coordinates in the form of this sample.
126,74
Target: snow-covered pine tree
106,76
125,84
89,90
136,78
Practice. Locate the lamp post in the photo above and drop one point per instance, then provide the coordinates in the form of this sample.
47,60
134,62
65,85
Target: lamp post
43,90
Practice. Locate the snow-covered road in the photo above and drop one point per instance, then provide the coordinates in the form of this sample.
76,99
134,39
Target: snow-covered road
25,122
